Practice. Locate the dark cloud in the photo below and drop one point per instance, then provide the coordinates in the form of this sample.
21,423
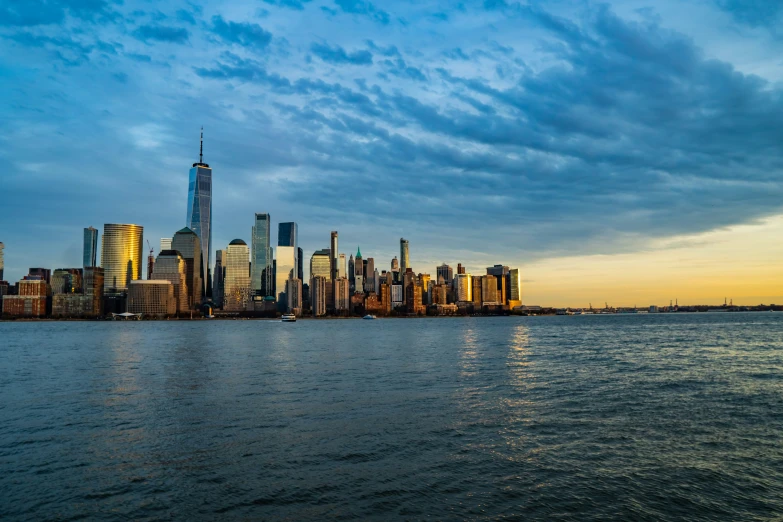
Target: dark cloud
45,12
248,35
336,54
360,7
161,33
766,13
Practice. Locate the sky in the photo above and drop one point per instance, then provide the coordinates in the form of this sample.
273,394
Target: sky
628,152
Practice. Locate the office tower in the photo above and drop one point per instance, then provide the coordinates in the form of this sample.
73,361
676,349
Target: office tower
320,264
152,297
285,262
351,271
460,268
121,256
93,290
217,283
386,297
172,267
446,273
299,264
341,271
287,234
514,288
188,244
43,274
342,295
358,277
395,264
293,295
463,288
376,281
32,299
261,281
318,295
67,281
2,262
413,299
501,278
165,243
489,290
477,281
334,258
199,218
90,253
236,288
405,261
369,275
396,295
426,287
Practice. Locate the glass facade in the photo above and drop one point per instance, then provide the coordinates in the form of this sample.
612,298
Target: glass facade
200,213
170,266
90,255
287,234
514,286
261,257
463,288
217,283
121,255
236,285
165,243
286,269
188,244
151,297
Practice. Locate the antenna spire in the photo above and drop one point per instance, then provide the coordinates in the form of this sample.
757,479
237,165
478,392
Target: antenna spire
201,149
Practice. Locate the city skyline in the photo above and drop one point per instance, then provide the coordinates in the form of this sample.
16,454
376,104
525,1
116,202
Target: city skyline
659,180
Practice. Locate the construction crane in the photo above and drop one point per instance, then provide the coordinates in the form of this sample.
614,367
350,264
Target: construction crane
150,261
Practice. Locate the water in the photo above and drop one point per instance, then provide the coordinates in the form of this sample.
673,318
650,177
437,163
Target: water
583,418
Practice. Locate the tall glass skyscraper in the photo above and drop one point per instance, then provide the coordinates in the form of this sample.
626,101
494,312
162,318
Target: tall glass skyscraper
121,255
2,263
200,209
286,269
405,258
287,236
334,261
261,257
90,257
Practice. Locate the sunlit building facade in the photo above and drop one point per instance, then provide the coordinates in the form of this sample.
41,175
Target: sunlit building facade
121,255
318,295
151,297
405,258
514,288
171,266
342,295
463,288
236,286
286,269
188,244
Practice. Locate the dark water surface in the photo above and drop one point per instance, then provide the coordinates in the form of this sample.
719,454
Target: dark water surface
583,418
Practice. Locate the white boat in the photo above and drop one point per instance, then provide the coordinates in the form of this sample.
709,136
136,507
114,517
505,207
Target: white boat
289,318
368,316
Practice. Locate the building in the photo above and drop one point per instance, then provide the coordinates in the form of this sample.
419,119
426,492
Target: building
334,269
300,263
342,295
440,294
236,286
318,295
426,287
172,267
121,256
165,243
320,266
357,303
261,282
501,274
293,294
341,272
152,297
460,269
385,298
90,251
67,281
477,282
93,291
358,275
199,219
413,298
405,260
514,288
40,273
351,271
32,300
369,275
84,301
2,262
287,234
217,279
396,296
446,273
489,291
285,269
463,288
188,244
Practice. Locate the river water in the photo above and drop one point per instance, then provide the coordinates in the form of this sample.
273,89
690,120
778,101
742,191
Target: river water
646,417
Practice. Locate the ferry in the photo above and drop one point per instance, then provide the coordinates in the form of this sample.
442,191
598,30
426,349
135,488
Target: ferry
369,317
289,318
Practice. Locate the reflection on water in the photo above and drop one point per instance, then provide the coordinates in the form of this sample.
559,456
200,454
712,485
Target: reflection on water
627,418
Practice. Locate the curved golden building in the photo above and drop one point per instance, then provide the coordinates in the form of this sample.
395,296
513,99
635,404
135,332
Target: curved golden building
121,256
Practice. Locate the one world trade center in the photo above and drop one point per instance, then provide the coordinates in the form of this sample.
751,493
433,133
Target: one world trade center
200,212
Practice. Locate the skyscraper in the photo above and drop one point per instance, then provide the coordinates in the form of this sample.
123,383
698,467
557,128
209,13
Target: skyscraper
446,272
287,234
514,288
405,260
200,211
217,279
237,281
334,258
171,267
286,269
358,278
121,256
369,276
165,243
2,263
463,288
300,264
341,269
261,257
90,247
187,243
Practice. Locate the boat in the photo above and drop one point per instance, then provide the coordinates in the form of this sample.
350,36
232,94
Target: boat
289,318
369,316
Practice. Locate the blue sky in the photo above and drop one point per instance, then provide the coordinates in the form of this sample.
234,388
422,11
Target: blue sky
483,132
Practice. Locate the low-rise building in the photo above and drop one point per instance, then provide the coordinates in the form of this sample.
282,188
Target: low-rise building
151,297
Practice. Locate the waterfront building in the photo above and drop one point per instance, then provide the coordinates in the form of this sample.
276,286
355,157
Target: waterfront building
463,288
319,264
334,259
300,263
86,301
501,274
90,249
121,255
357,303
2,262
408,277
67,281
446,272
217,279
188,244
236,288
358,277
285,263
386,302
352,271
374,304
514,288
44,274
92,280
342,295
369,275
342,270
477,282
293,294
405,260
261,281
440,294
172,267
199,219
396,295
413,298
426,285
152,297
318,295
33,299
489,291
165,243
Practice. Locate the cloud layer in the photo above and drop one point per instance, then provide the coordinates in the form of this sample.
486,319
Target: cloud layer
483,132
